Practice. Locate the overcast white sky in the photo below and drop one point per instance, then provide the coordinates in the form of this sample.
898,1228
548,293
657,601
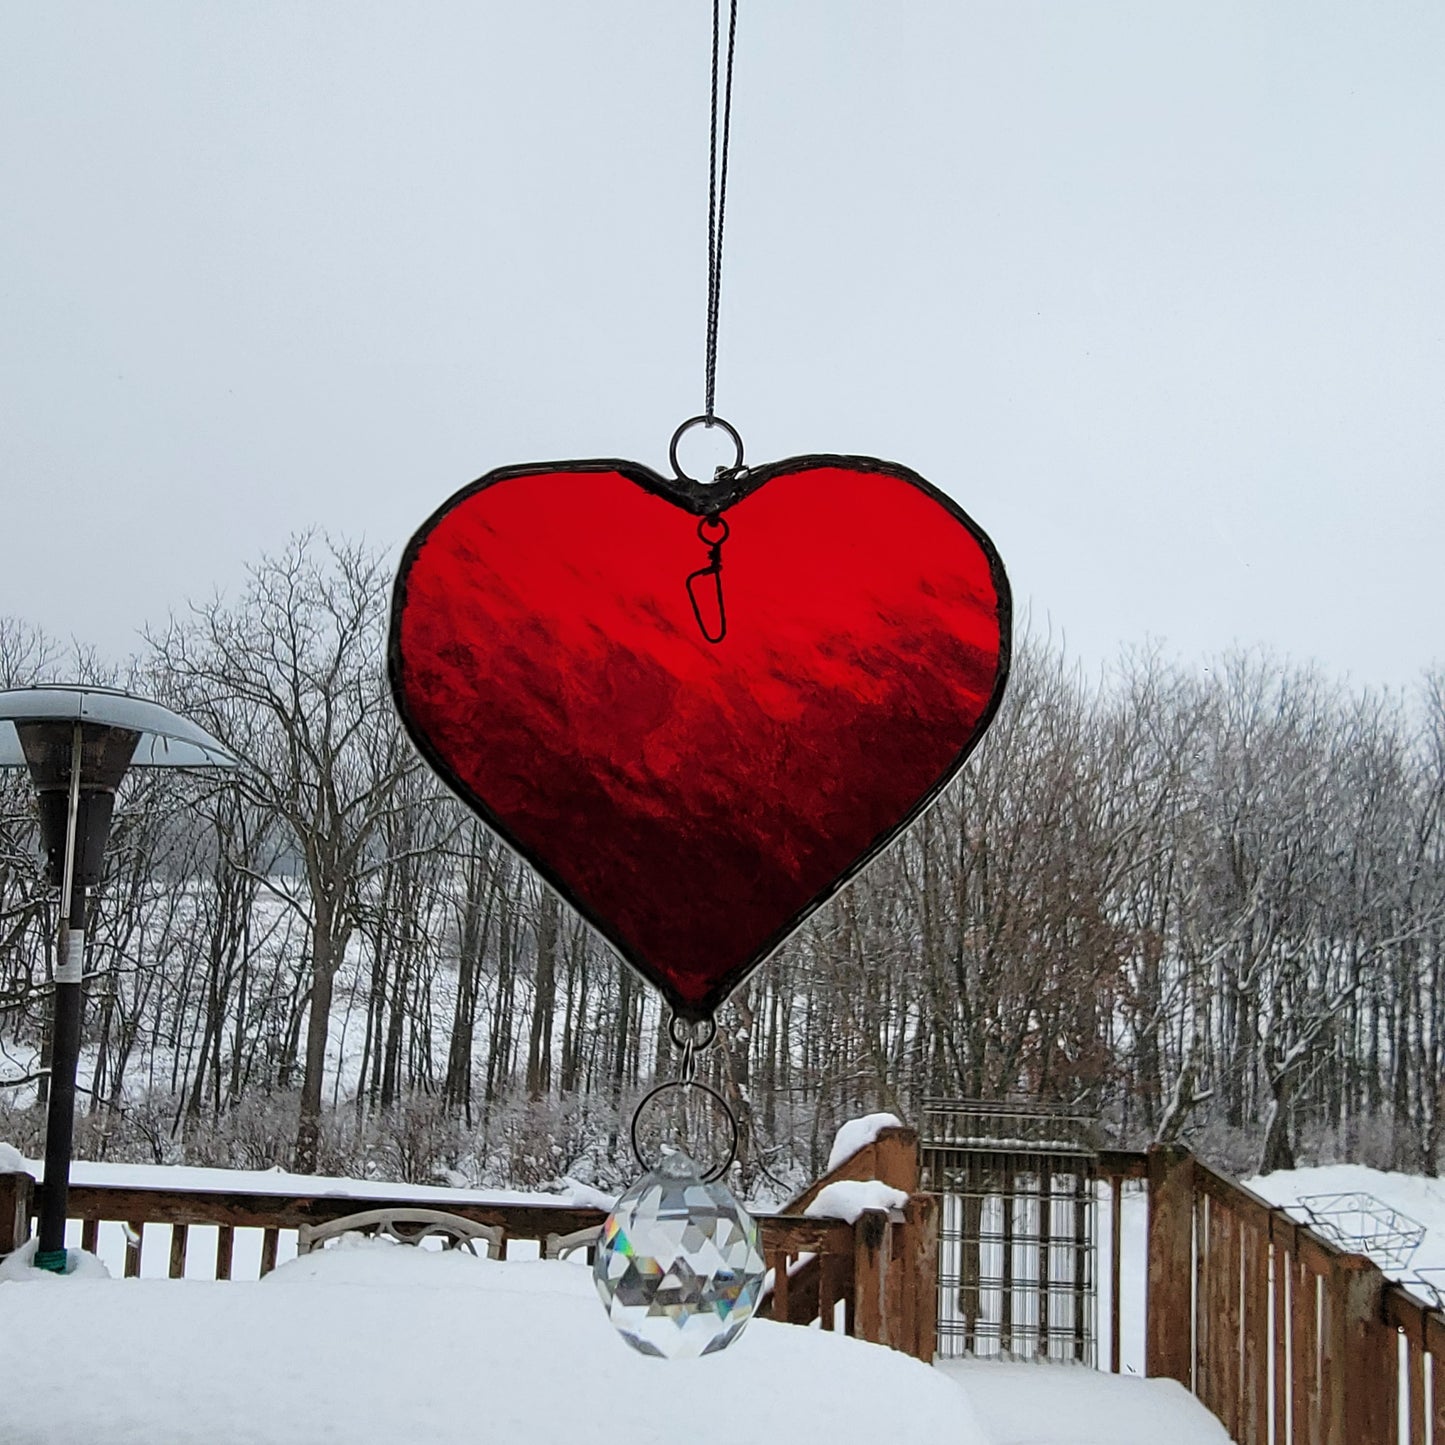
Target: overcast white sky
1155,289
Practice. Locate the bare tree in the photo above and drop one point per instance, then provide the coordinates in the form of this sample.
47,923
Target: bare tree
290,677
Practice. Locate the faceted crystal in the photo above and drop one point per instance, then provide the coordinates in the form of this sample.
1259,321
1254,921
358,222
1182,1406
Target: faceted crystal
679,1264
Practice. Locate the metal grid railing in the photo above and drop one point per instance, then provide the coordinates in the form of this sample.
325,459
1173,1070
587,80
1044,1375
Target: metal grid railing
1018,1255
992,1125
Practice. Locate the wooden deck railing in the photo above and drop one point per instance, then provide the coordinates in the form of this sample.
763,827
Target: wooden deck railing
870,1278
892,1298
1286,1338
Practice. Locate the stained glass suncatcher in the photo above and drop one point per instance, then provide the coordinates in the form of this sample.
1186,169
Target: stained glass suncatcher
552,656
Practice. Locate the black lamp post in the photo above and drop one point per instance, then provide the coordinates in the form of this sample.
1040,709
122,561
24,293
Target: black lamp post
78,743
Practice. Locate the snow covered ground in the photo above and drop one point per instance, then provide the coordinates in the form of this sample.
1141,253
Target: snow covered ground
379,1342
1071,1405
373,1342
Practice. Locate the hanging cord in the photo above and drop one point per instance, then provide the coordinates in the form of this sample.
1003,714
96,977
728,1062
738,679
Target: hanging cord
717,191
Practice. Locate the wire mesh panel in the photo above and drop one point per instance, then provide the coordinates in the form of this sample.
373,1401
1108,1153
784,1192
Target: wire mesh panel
1361,1224
1017,1267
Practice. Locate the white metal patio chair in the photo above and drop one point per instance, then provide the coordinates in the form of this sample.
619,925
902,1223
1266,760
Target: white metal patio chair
406,1226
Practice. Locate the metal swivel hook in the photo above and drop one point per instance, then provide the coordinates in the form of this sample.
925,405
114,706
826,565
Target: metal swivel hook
713,531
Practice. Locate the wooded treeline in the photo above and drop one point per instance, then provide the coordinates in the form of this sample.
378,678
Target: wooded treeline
1207,903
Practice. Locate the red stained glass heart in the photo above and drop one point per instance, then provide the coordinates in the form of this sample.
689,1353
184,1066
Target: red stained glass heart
696,800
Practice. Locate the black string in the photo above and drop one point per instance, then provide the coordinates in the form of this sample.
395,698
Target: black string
717,191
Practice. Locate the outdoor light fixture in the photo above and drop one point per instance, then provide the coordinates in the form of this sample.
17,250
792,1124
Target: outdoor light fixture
78,743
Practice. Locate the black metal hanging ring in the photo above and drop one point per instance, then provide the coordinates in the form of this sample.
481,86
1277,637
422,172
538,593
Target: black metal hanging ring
708,421
718,1170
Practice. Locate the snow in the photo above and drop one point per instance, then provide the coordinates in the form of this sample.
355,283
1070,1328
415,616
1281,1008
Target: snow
309,1186
370,1341
1423,1199
1133,1278
848,1198
12,1161
380,1342
19,1265
857,1134
1021,1404
584,1196
247,1242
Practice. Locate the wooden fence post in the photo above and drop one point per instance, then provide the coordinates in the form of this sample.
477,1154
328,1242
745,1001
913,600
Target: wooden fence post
895,1277
918,1259
1360,1368
1168,1351
871,1239
1254,1416
17,1193
892,1157
895,1158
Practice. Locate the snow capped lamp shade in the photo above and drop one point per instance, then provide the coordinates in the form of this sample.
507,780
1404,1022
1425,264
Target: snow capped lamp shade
164,739
118,732
698,709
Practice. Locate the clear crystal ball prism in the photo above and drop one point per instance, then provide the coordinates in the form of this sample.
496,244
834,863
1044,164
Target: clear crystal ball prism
679,1264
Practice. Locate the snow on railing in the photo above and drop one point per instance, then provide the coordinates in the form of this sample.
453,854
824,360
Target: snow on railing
873,1277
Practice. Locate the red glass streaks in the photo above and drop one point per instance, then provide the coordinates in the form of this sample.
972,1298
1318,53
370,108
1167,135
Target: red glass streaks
696,801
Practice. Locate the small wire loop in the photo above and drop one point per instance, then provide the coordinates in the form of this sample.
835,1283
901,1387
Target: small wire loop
707,421
717,1170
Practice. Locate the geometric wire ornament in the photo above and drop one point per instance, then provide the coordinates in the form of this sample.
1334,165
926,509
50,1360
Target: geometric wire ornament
1361,1224
1432,1280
